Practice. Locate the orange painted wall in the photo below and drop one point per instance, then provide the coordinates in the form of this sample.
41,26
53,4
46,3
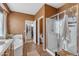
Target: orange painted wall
16,22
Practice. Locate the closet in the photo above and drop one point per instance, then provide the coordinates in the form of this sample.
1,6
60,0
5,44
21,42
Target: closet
61,31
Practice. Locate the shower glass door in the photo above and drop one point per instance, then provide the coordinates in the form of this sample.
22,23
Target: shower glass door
72,28
52,33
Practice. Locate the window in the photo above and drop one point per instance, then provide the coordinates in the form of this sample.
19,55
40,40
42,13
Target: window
1,24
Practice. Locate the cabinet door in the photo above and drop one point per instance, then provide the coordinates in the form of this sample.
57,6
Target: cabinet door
12,50
9,51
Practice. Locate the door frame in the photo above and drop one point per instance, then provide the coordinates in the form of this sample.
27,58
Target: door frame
34,32
42,17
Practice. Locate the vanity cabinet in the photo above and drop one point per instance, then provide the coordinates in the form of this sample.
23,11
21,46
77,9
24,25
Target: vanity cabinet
9,51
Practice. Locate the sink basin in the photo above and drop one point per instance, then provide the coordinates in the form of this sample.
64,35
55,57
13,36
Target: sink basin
2,42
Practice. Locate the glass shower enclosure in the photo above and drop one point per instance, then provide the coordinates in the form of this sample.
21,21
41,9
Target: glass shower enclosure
61,31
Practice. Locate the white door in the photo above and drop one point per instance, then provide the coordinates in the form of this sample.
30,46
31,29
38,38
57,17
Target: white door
34,32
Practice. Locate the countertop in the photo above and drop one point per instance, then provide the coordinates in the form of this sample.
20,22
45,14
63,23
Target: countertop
4,46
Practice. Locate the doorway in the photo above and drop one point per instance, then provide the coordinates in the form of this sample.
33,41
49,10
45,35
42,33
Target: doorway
29,31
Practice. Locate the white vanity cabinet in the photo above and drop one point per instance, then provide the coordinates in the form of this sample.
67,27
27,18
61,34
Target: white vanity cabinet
18,45
6,47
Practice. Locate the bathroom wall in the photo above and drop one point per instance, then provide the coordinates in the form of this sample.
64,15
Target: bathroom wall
49,11
40,13
16,22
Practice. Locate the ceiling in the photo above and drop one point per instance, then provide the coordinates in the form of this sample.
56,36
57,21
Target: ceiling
56,5
30,8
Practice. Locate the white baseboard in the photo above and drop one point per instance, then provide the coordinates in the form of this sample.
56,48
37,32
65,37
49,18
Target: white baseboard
50,52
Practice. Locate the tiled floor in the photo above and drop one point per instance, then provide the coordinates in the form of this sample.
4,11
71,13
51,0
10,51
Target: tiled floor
30,49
